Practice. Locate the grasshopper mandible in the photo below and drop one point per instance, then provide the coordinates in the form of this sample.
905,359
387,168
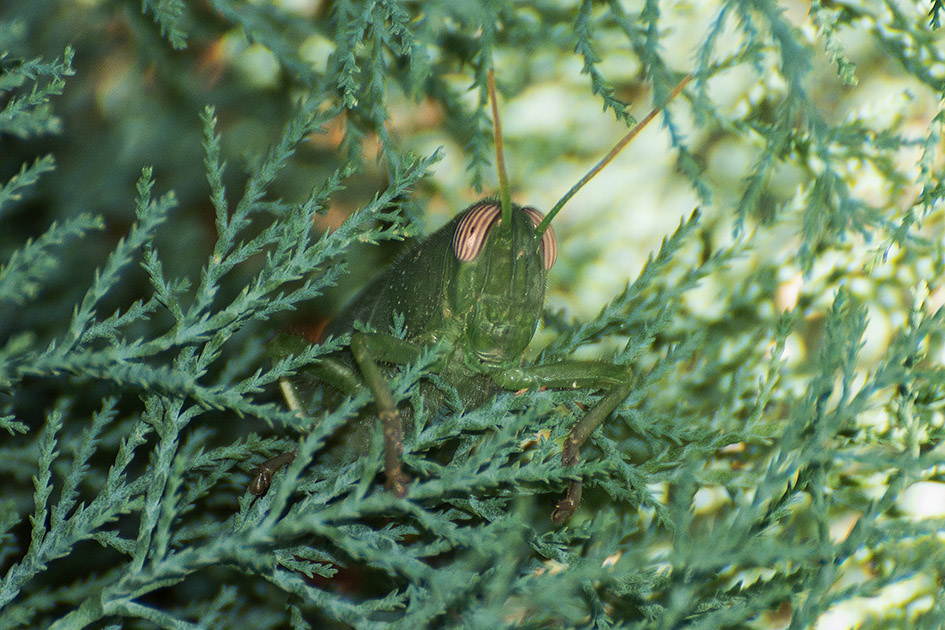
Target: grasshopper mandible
477,284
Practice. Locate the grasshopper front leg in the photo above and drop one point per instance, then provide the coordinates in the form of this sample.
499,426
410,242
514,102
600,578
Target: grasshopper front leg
397,480
367,349
577,436
571,374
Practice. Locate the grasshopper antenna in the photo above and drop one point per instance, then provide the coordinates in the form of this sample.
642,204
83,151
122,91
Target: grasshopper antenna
614,152
505,194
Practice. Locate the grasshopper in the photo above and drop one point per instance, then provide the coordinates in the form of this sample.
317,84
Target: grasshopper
477,285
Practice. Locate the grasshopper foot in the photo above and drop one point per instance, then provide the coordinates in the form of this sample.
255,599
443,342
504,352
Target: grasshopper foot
397,482
566,508
259,486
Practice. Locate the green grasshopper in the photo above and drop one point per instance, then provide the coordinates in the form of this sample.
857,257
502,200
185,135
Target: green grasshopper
476,285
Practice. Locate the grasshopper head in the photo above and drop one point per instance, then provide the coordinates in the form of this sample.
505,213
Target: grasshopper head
500,286
504,254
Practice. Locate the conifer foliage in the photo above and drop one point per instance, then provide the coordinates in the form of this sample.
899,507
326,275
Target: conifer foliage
178,181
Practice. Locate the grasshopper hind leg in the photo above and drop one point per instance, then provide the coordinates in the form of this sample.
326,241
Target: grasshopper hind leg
264,472
259,486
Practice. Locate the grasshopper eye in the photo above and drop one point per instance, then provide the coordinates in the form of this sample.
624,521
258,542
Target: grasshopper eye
549,243
470,235
472,230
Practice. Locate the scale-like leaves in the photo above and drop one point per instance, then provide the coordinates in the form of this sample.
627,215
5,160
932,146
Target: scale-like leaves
777,456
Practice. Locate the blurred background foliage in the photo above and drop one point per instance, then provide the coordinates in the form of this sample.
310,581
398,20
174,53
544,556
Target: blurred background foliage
810,140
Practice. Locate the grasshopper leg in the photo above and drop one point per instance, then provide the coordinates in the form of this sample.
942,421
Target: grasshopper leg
569,374
577,436
397,480
264,472
343,378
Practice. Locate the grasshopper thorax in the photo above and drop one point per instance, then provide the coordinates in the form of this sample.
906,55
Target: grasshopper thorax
499,290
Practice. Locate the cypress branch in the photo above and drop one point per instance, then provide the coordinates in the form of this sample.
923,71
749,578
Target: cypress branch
776,454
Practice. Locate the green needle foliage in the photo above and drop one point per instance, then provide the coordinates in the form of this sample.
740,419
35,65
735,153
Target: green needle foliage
179,181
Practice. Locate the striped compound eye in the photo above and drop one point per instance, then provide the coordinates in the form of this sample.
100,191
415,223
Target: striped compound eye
549,243
472,230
